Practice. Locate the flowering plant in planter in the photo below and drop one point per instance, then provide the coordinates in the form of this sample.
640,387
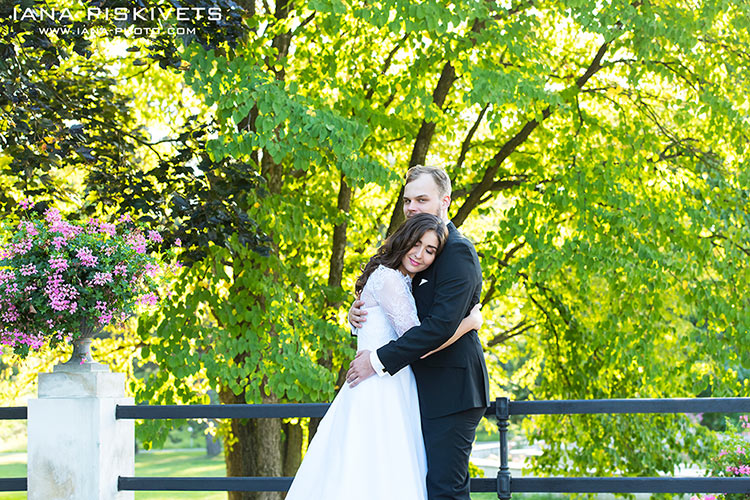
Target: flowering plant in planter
60,280
733,460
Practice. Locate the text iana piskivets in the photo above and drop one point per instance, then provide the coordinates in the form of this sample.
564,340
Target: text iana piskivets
119,14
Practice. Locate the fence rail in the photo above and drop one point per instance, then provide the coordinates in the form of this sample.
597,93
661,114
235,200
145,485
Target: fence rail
620,406
13,413
478,485
155,412
560,407
501,409
13,484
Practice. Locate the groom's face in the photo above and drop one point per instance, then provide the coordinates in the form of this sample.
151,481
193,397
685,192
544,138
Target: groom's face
422,196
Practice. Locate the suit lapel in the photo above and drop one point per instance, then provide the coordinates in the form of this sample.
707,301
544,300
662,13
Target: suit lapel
423,284
422,288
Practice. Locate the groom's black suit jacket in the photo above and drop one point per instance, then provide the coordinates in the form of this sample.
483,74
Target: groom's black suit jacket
454,379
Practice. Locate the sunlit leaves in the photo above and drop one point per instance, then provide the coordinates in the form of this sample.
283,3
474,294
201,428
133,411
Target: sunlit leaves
613,235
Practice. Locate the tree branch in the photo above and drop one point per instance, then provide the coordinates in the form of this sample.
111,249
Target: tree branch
386,66
514,142
519,329
466,145
304,23
427,129
551,324
498,185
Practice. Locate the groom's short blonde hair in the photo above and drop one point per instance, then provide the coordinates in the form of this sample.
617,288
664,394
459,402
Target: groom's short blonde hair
438,175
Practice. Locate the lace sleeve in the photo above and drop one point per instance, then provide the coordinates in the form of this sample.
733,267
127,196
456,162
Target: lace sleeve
393,293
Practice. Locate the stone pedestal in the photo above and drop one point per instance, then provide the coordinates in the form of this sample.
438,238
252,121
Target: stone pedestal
76,448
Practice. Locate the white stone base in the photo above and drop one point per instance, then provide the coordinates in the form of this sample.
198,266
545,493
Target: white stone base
76,448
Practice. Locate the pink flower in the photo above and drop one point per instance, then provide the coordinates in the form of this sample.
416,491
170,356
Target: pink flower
64,228
177,242
155,237
10,315
137,242
152,270
11,288
58,242
740,451
59,267
59,264
86,257
105,318
29,227
23,246
102,278
722,453
125,218
6,275
25,204
149,299
28,270
107,228
710,497
61,295
52,215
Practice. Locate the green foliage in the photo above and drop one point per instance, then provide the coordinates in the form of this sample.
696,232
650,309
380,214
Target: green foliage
475,471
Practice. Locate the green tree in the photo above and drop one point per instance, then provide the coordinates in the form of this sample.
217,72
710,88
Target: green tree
597,151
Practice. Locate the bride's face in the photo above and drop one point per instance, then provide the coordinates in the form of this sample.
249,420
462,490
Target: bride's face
421,255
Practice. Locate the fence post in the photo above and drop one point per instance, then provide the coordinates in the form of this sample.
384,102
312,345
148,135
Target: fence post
76,447
503,474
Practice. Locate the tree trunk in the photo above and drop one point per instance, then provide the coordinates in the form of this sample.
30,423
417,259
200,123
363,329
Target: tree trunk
255,451
336,267
292,448
397,216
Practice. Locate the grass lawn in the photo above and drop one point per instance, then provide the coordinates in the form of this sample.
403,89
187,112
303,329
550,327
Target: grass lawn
175,464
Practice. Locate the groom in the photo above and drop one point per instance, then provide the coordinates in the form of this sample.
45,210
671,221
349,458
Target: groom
452,384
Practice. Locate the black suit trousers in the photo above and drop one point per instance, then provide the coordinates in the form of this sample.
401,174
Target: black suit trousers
448,441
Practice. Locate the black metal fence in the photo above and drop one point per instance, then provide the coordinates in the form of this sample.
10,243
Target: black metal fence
502,409
13,483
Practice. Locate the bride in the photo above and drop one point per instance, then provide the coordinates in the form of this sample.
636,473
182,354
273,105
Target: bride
369,444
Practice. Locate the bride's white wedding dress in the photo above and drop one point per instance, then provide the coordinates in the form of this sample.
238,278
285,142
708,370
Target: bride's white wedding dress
369,444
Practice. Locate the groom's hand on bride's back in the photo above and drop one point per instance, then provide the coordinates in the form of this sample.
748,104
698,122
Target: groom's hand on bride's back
357,314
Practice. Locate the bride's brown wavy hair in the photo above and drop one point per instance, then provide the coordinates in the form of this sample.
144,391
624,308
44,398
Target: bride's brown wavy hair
400,242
